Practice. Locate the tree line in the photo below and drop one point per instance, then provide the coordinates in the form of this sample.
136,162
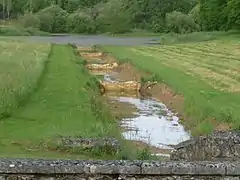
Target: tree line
118,16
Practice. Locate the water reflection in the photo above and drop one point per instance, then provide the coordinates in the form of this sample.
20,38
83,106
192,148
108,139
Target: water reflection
154,124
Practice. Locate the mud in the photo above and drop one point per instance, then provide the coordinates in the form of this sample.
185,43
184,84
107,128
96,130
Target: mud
144,120
120,110
163,93
127,72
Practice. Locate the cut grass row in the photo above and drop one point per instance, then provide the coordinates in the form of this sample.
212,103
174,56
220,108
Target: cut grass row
208,79
65,103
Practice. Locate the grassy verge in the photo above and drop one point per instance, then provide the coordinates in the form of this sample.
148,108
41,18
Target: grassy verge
65,103
206,73
10,30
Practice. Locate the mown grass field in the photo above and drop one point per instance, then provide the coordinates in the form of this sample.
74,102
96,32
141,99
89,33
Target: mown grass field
65,102
206,73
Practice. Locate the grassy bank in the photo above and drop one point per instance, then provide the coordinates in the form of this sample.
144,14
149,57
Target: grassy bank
65,103
206,73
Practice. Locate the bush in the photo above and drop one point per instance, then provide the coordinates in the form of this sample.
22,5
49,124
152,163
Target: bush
114,17
81,22
194,13
12,31
30,21
53,19
178,22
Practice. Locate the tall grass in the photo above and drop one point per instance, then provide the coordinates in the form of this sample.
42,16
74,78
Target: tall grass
21,66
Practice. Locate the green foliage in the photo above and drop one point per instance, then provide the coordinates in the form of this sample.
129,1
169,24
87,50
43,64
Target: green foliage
30,20
212,14
178,22
12,31
233,10
121,16
194,13
113,17
53,19
151,14
81,22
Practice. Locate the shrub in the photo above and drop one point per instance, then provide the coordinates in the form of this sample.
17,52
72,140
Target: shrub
114,17
194,13
53,19
12,31
81,22
30,21
178,22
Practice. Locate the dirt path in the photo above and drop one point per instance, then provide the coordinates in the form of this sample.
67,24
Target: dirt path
88,40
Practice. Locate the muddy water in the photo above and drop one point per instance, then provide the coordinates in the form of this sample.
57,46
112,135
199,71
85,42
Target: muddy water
154,124
151,123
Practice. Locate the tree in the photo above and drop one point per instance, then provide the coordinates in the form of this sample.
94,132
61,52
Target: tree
233,11
212,14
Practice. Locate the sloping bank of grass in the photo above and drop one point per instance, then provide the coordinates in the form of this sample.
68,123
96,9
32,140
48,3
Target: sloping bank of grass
194,70
65,103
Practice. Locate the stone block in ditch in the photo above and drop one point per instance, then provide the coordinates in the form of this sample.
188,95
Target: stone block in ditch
91,54
107,145
121,86
223,145
101,66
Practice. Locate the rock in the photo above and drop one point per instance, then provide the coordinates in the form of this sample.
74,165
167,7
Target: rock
217,146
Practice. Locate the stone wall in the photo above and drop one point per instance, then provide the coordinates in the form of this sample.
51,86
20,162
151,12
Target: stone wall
26,169
216,146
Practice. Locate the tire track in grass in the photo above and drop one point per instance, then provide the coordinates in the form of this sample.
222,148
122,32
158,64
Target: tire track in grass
207,62
230,48
235,61
225,69
220,81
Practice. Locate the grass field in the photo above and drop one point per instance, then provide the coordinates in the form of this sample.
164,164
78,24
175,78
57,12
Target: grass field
206,73
65,102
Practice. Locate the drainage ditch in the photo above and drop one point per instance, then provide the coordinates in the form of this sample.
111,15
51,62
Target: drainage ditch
145,120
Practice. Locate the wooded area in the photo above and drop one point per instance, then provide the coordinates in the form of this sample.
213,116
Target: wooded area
118,16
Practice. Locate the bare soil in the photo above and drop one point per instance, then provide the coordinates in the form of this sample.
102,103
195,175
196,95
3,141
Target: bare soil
127,72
